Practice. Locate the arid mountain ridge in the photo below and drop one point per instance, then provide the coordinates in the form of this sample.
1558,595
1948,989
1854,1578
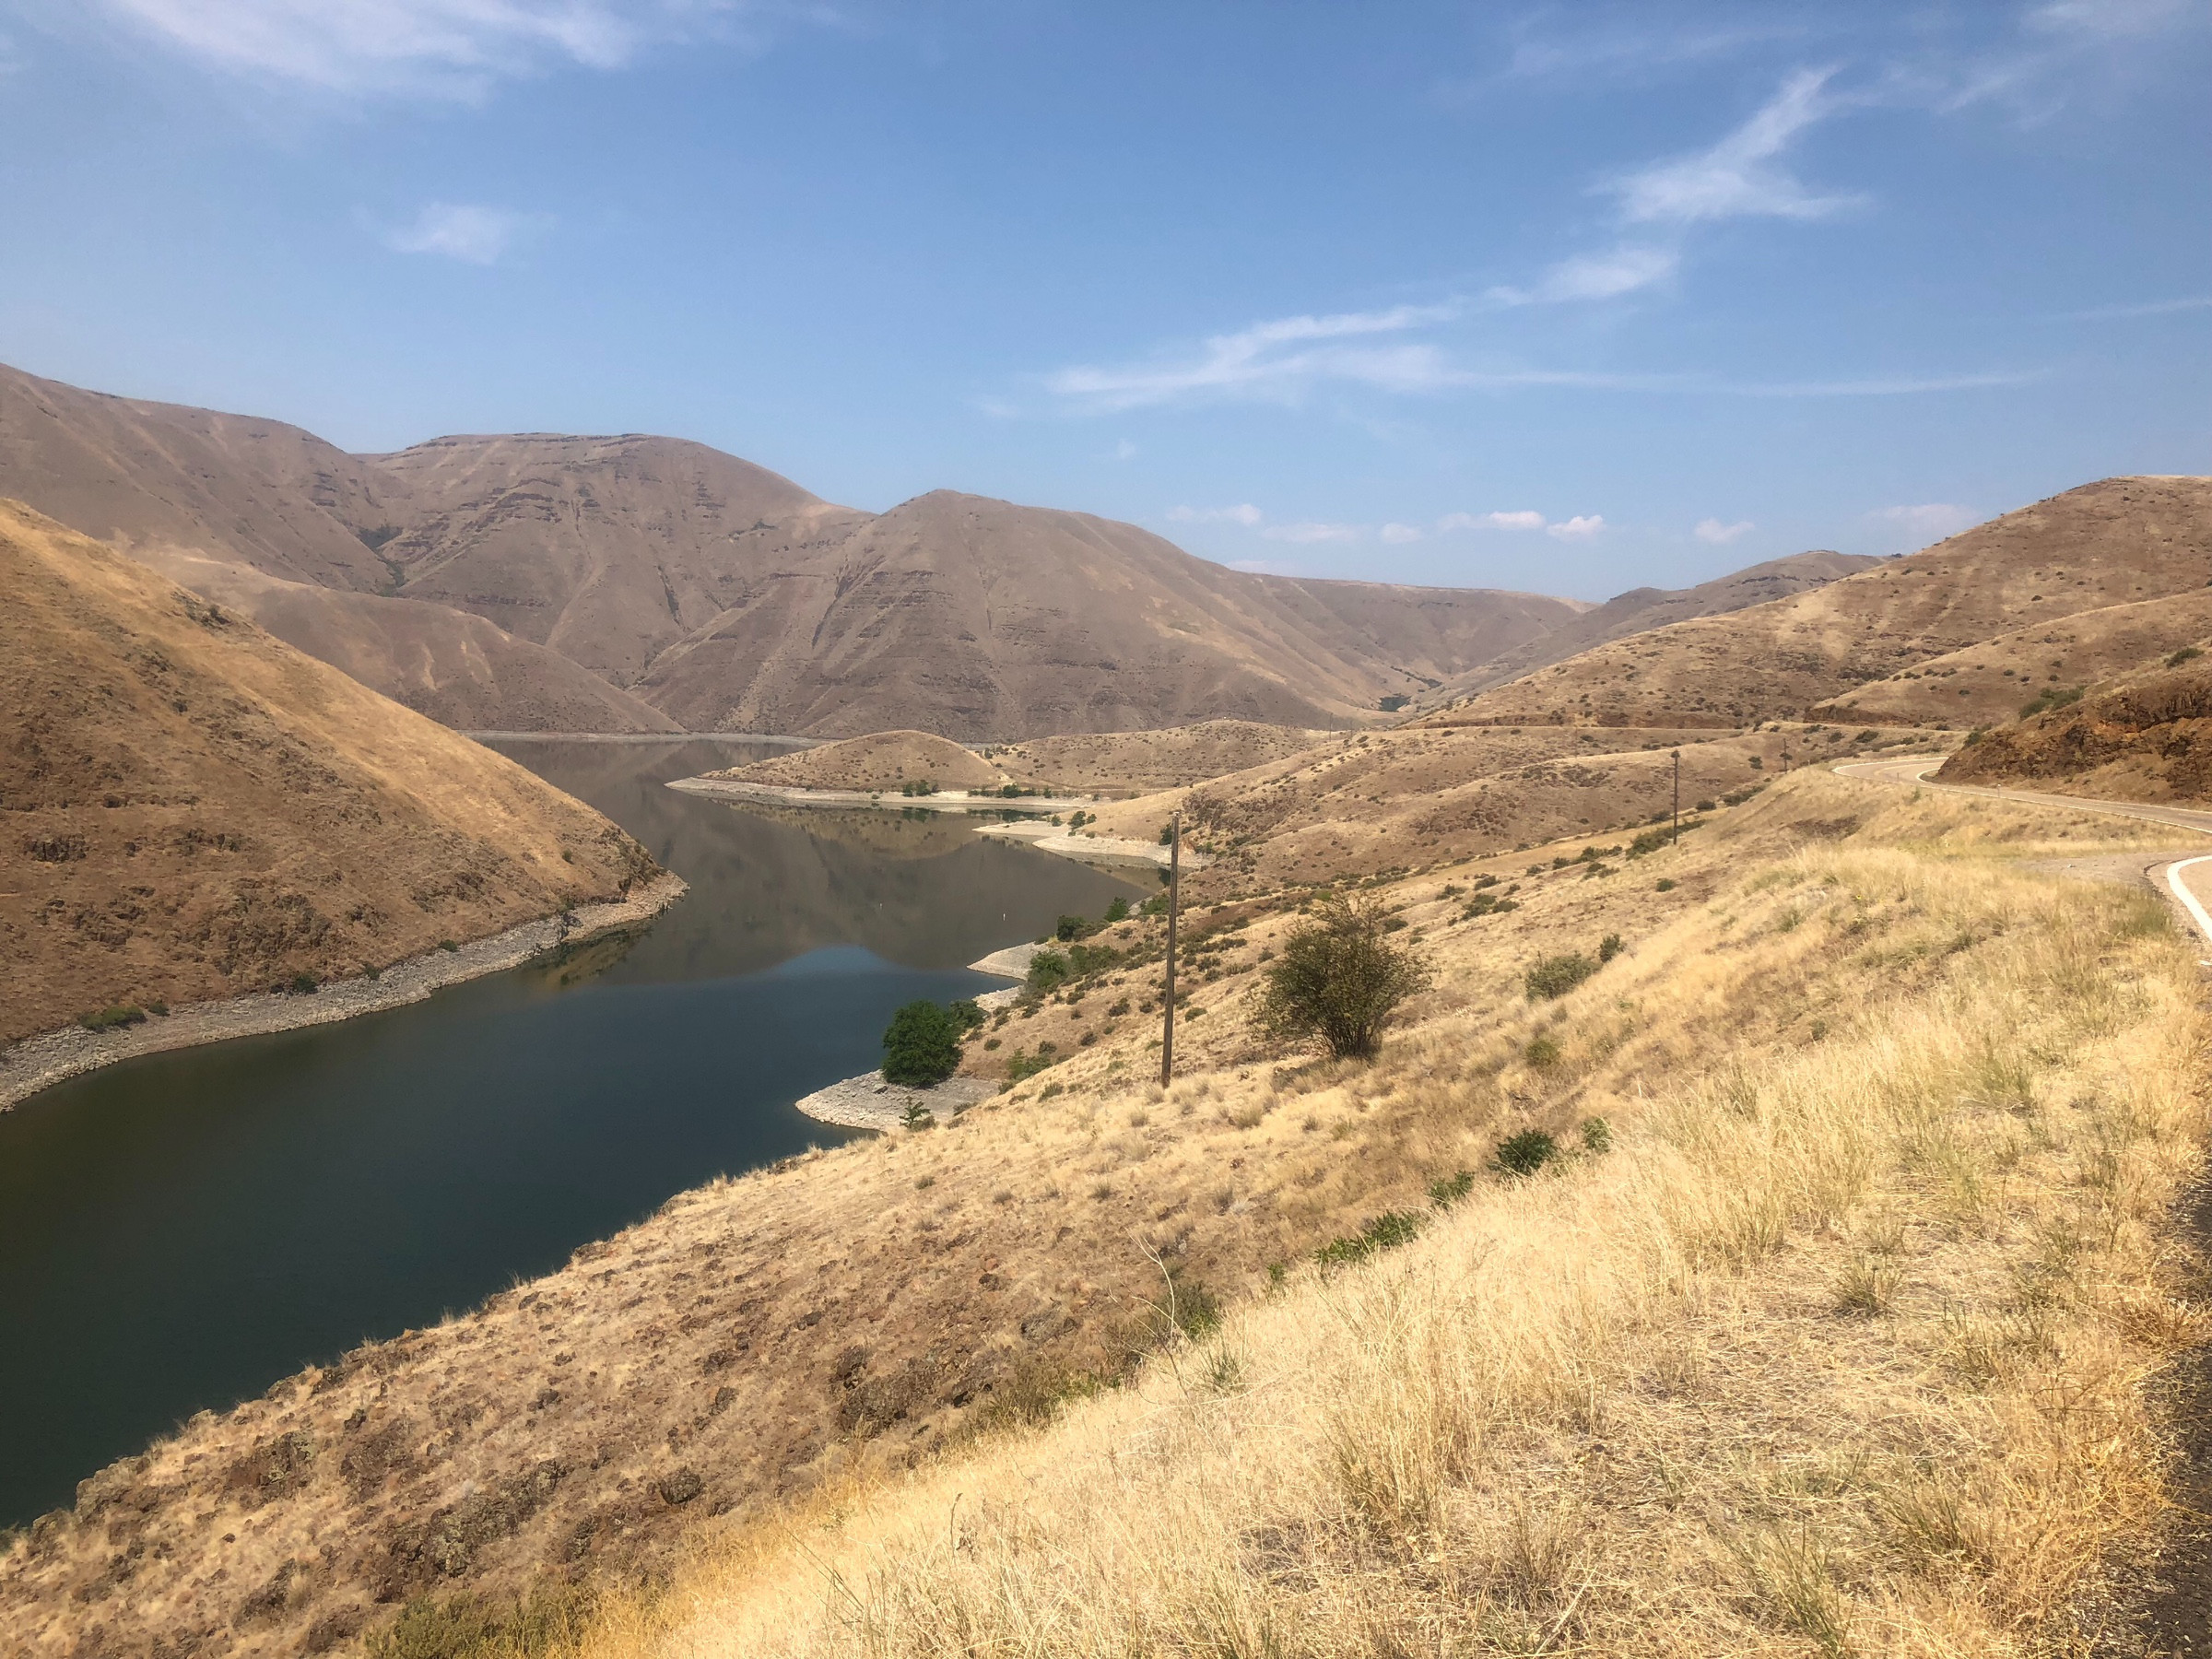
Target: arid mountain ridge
643,583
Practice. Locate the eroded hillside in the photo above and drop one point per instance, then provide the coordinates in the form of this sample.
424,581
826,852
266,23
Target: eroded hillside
2146,737
190,808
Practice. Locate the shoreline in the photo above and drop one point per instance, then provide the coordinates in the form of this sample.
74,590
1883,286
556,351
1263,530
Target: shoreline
40,1062
948,800
868,1101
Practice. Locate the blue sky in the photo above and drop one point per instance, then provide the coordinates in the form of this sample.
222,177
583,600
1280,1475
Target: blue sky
1571,297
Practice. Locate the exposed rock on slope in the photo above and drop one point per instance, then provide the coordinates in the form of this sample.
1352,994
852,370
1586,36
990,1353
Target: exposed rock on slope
879,760
1987,683
191,808
2147,739
2117,542
1642,610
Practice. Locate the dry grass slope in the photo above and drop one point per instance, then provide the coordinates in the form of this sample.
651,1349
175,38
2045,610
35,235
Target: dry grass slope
191,808
1642,1398
1849,1341
1124,763
2119,541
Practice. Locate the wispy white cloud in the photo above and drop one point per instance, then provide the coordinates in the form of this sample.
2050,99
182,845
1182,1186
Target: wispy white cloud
2152,307
473,234
1309,530
1738,177
1928,522
1606,52
1604,275
1491,521
1397,535
454,48
2111,19
1124,451
1244,513
1578,528
1718,535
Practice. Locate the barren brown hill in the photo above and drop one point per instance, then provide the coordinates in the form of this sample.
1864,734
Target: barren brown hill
2117,542
452,665
986,621
899,1305
2147,737
881,760
142,473
1092,762
725,595
1642,609
193,809
609,550
1987,684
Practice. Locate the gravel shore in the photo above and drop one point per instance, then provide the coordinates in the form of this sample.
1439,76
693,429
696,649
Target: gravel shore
40,1062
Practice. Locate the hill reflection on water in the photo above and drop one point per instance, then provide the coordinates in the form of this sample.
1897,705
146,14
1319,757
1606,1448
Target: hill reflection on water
179,1231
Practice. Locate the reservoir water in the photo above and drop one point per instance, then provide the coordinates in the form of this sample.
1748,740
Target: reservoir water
178,1233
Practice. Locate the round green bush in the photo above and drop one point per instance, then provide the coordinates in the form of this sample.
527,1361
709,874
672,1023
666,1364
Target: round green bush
923,1045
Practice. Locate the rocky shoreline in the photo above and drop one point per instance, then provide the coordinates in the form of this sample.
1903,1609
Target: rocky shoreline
40,1062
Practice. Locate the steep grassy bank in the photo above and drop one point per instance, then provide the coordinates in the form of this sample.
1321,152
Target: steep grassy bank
1845,1335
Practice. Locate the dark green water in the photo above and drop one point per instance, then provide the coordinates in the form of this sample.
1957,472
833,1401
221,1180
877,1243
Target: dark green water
178,1233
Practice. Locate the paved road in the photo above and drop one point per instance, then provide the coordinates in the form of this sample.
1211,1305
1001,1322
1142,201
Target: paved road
1915,768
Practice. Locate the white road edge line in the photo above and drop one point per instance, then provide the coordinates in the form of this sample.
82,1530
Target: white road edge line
2189,900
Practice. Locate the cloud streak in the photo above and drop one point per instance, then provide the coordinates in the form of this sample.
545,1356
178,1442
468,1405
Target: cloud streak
446,48
1739,176
472,234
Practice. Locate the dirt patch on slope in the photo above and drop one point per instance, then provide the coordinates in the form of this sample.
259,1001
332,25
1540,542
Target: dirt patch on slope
2147,739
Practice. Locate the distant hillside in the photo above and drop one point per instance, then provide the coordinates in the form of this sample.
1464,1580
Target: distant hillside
2147,737
1987,683
1123,761
722,596
2118,542
1642,610
195,810
881,760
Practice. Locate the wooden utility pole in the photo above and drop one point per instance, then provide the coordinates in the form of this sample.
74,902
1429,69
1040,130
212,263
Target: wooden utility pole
1677,836
1167,1031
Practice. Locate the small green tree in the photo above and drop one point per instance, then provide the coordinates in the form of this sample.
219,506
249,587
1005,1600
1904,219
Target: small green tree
1338,979
923,1045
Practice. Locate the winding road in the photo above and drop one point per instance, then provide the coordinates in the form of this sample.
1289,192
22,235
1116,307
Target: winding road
1915,770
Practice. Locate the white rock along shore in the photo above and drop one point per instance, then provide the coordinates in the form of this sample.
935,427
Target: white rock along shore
39,1062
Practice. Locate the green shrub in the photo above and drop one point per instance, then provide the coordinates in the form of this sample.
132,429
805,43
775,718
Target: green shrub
1386,1232
1070,927
967,1013
1118,911
1450,1189
1556,975
1608,948
2051,697
1666,885
921,1046
1525,1153
1597,1135
112,1018
2187,654
548,1622
1651,840
918,1116
1338,979
303,984
1394,703
1543,1050
1048,970
449,945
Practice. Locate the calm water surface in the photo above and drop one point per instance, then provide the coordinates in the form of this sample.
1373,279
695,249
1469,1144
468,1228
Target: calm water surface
178,1233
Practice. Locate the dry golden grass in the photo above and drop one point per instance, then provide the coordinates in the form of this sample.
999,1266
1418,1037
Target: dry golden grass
834,1349
881,760
1847,1344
